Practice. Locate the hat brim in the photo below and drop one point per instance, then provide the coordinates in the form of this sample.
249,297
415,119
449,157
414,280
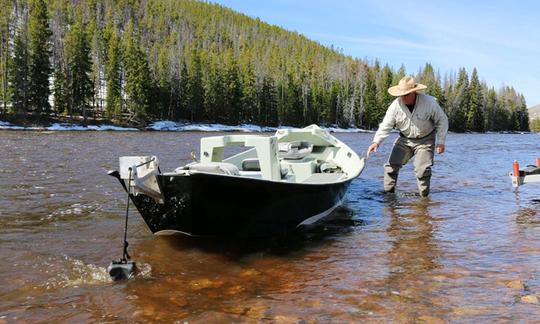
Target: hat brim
397,92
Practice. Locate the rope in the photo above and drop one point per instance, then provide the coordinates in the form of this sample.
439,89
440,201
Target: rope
125,255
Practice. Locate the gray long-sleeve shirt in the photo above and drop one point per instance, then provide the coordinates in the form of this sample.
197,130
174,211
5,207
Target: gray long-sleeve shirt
426,116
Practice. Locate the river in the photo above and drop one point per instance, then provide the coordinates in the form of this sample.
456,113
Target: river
469,252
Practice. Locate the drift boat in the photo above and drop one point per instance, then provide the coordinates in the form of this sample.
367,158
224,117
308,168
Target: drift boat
277,183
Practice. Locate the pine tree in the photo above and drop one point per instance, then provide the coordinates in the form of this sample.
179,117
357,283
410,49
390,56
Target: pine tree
80,86
268,103
250,109
523,114
233,93
113,76
399,75
491,108
383,97
429,78
370,102
18,73
475,114
60,88
183,94
460,103
137,80
195,90
5,33
39,53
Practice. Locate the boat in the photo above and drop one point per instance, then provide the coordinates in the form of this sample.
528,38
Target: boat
272,186
529,174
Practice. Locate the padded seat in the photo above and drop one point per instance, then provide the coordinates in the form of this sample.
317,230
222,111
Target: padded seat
251,164
214,167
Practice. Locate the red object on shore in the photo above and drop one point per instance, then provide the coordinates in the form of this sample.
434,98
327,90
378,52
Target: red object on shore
538,162
515,168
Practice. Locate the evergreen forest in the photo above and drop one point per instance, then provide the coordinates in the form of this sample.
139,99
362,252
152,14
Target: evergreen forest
135,61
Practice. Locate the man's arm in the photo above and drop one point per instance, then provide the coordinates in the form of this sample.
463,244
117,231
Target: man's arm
441,126
389,121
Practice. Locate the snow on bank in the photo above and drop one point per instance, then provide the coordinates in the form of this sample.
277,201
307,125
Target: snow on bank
167,125
171,126
6,125
75,127
66,127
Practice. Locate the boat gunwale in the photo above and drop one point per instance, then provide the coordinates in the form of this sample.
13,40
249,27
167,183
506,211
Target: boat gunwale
189,173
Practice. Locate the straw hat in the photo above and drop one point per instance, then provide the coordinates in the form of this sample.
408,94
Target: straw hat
405,86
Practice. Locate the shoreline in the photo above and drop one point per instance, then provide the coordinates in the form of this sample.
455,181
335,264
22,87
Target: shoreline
162,126
172,126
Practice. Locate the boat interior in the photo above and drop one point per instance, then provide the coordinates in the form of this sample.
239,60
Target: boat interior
308,155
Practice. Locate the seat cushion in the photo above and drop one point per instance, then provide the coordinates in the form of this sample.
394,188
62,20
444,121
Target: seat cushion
215,167
251,164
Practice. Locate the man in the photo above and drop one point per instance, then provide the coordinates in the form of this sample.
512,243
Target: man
420,120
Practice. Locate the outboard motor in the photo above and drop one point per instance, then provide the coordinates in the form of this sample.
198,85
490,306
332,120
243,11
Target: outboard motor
143,175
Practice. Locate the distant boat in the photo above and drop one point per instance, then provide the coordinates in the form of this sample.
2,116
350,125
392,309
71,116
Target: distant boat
277,183
520,176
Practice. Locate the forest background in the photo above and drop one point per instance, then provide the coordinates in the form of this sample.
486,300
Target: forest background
131,62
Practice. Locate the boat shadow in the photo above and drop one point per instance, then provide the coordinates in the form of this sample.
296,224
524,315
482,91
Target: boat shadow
341,221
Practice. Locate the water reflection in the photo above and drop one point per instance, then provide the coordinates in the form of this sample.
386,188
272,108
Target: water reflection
413,256
413,249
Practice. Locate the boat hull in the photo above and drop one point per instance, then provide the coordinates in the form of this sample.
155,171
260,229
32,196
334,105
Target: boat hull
203,204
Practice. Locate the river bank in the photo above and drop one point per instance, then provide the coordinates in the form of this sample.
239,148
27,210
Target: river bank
161,125
172,126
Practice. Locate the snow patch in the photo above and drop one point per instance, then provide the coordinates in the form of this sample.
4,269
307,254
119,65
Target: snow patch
66,127
75,127
8,125
167,125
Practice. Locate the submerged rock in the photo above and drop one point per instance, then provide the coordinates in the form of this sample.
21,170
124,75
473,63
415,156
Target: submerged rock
282,319
205,283
530,299
430,320
515,284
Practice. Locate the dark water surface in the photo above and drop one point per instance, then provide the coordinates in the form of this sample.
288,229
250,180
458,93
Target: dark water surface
452,257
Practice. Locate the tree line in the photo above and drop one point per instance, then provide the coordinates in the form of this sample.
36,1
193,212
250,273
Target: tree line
131,62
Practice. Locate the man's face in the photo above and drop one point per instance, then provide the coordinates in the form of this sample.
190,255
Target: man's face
409,98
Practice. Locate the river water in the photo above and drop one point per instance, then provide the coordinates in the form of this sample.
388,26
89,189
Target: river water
469,252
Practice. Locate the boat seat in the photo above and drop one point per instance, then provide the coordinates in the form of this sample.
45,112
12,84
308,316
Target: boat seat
294,150
214,167
251,164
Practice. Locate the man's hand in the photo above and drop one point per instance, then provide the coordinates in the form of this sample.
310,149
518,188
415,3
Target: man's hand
440,148
372,148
